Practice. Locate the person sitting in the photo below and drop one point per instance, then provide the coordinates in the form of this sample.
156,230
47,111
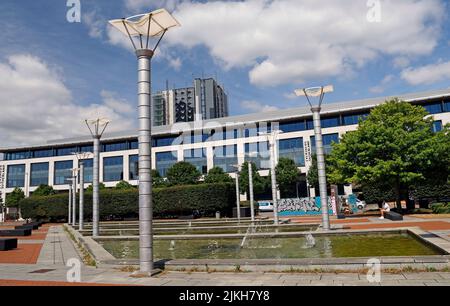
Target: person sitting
384,209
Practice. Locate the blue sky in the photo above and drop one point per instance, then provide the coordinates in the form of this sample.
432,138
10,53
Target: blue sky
258,49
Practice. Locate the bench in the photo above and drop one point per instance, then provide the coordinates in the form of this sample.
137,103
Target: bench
8,244
27,226
15,233
392,215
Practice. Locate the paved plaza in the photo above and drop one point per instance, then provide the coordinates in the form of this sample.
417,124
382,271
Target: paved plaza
42,260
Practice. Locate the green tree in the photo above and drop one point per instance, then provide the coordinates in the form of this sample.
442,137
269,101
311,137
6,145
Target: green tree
183,173
217,175
259,183
43,190
313,173
13,198
100,187
288,175
157,180
123,185
395,145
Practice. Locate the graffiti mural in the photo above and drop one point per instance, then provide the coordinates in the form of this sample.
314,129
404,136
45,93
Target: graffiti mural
302,206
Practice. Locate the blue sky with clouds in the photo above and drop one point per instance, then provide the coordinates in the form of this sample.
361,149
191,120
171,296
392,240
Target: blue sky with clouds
260,50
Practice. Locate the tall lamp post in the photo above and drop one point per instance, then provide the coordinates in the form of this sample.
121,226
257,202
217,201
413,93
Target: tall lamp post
250,185
74,196
319,92
97,127
81,157
69,211
272,139
140,29
238,193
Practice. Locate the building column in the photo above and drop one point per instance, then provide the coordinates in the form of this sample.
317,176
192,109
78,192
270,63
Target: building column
210,157
126,167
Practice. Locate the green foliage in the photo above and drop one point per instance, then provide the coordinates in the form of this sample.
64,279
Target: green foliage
100,187
395,145
287,175
43,190
440,208
157,180
431,190
217,175
13,198
167,202
123,185
378,192
183,173
259,183
313,173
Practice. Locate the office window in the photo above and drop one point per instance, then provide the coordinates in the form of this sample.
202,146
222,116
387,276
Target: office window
66,151
118,146
262,159
330,122
294,126
434,108
39,174
63,171
165,160
225,157
113,169
17,155
437,126
86,149
292,149
88,170
134,145
134,167
197,157
16,176
328,140
43,153
447,106
251,130
165,141
354,118
309,124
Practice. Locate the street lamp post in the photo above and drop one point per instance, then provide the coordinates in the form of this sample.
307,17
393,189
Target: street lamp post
81,157
74,196
250,186
96,127
320,93
69,217
238,193
154,24
272,138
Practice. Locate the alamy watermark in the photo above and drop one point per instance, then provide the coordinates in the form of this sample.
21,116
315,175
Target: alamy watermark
374,272
374,12
74,273
74,13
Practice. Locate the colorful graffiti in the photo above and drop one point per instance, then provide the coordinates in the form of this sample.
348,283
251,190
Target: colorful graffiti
307,206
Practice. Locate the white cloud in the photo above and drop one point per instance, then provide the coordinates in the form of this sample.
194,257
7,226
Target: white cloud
256,107
383,84
401,62
117,104
147,5
291,41
427,74
95,24
36,105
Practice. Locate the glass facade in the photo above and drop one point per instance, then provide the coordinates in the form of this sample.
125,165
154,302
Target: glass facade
434,108
165,160
197,157
88,170
117,146
327,141
294,126
43,153
16,176
39,174
292,149
165,141
330,122
354,119
262,158
134,167
113,169
225,157
66,151
63,171
437,126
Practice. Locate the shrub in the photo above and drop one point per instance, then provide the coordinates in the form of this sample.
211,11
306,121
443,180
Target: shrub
13,199
440,208
167,202
183,173
217,175
43,190
123,185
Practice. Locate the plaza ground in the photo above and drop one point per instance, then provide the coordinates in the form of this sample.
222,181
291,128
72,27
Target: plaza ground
41,259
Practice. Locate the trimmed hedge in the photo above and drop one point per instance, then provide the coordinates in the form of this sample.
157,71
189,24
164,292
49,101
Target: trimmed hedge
205,199
440,208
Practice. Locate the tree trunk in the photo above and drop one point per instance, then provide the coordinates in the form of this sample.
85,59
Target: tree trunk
398,196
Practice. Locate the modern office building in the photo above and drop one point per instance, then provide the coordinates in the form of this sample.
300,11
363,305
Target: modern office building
221,142
205,100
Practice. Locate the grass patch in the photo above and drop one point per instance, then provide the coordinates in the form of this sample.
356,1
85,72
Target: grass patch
86,256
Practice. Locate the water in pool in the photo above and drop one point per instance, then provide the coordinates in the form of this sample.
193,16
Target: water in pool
277,248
